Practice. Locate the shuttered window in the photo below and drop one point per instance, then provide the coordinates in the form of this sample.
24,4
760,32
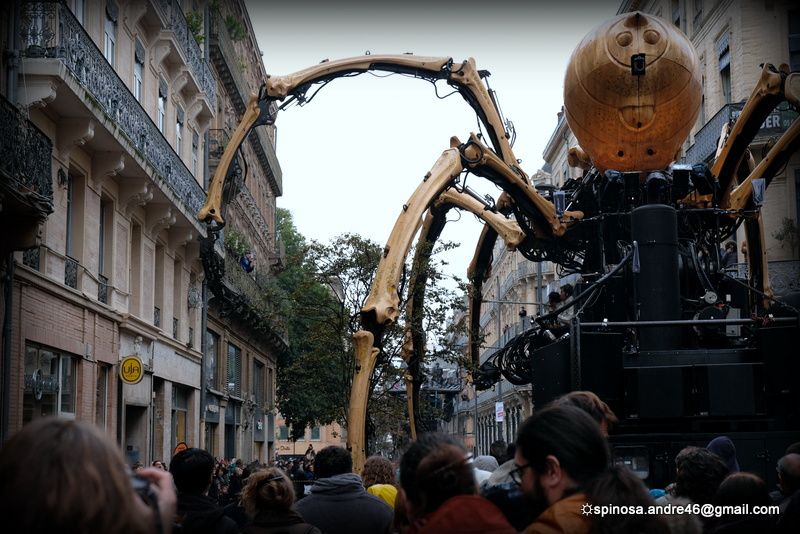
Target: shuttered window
258,383
234,370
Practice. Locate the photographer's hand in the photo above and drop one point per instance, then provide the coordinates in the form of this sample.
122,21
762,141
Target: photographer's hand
164,488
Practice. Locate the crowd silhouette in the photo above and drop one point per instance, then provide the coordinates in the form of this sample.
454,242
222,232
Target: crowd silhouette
557,477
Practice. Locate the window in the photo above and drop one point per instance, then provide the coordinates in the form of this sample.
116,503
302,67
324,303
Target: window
138,70
50,384
159,295
698,14
270,387
78,10
211,359
180,411
283,433
794,39
676,13
178,298
178,130
162,104
211,437
315,432
797,193
74,229
70,245
724,54
234,374
195,143
104,259
110,31
101,395
135,276
258,383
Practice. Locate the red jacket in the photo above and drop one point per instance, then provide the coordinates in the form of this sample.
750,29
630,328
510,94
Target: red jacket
464,514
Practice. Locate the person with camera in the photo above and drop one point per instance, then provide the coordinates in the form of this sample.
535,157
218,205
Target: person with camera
58,475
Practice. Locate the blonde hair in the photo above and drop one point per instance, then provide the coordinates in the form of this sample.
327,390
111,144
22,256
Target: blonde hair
67,476
267,489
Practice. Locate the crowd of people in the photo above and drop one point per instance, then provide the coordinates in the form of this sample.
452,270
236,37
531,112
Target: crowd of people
557,477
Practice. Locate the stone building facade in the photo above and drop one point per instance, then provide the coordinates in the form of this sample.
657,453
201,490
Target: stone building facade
318,437
128,96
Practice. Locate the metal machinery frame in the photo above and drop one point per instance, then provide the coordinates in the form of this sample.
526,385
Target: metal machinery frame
605,226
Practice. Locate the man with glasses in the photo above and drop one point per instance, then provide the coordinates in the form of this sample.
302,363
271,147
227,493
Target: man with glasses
559,450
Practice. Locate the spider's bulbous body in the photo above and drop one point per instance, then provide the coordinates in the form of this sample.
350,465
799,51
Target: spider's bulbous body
632,92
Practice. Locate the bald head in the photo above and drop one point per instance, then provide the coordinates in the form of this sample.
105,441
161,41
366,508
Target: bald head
789,473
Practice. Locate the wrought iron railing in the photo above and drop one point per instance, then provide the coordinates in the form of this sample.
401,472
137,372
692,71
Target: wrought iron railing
268,160
31,258
218,140
486,315
508,283
223,53
255,294
102,289
706,138
251,208
784,276
51,30
25,156
191,51
71,272
229,66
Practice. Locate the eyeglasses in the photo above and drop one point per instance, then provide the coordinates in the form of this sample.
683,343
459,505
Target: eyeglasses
516,474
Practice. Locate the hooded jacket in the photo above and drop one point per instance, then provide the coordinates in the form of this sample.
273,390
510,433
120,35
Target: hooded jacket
464,514
340,505
199,514
279,522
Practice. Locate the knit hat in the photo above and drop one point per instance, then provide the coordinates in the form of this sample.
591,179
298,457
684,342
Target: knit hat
723,447
386,492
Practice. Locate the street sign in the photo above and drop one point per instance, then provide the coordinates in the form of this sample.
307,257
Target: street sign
499,412
131,370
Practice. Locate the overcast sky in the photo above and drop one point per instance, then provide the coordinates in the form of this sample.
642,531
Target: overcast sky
353,156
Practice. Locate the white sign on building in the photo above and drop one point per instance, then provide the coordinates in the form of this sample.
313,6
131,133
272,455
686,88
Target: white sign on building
499,412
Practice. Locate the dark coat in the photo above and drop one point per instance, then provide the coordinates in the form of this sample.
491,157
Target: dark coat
198,514
341,505
275,522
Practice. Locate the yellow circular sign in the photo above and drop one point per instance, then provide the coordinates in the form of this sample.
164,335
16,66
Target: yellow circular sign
131,370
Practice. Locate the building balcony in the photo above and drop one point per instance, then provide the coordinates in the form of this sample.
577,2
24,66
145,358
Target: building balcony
507,284
176,30
706,138
228,64
486,316
529,268
247,299
784,276
229,67
26,181
218,140
65,72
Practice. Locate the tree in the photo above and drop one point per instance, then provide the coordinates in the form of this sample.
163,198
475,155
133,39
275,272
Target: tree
326,286
308,385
